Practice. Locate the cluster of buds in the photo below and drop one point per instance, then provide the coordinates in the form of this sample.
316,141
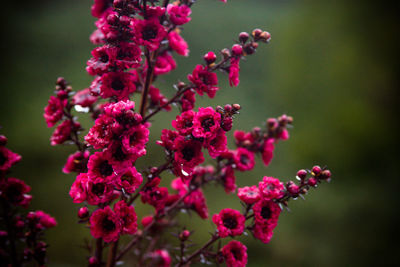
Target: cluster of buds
20,234
137,43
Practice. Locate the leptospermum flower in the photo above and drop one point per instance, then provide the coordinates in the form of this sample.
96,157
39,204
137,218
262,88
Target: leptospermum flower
138,42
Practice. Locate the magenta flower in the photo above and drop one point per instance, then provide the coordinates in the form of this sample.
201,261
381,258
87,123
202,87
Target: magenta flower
235,254
127,217
229,222
54,111
188,154
45,219
271,188
244,159
178,44
165,63
105,224
63,132
184,122
266,213
79,188
130,180
268,151
204,81
103,58
161,258
218,144
7,158
116,84
249,195
179,15
77,162
84,98
149,33
15,191
206,123
229,179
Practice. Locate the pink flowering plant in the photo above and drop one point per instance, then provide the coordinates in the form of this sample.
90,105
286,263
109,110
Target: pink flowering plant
137,42
21,233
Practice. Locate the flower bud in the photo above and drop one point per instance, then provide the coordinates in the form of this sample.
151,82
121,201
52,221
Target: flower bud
227,124
210,57
225,53
302,174
184,235
237,50
265,36
272,123
125,20
61,82
236,107
316,170
181,85
292,188
119,3
312,182
83,212
31,216
256,34
326,174
243,37
92,260
147,220
112,19
228,108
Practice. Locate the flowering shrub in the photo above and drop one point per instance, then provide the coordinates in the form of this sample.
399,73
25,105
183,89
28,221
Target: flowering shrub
137,42
21,235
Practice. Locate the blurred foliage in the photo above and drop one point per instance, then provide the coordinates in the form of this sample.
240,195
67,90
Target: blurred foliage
331,65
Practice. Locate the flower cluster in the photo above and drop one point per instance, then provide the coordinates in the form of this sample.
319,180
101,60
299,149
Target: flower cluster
137,43
20,234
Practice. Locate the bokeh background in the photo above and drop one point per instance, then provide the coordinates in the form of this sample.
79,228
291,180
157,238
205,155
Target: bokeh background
331,65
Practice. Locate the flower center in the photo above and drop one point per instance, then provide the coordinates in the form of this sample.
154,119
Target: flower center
104,58
108,225
117,85
98,189
188,153
244,159
266,212
149,33
105,169
230,223
3,159
207,124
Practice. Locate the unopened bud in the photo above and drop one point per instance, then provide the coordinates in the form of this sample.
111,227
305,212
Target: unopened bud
256,33
3,140
326,174
181,85
302,174
184,235
243,37
316,170
236,107
83,212
237,50
225,53
312,182
210,57
265,37
228,108
112,19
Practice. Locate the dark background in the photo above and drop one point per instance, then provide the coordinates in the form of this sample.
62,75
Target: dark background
332,66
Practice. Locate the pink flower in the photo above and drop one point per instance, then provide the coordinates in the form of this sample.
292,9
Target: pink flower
229,179
127,217
7,158
149,33
271,188
188,154
243,139
77,162
218,144
167,139
128,56
268,151
229,222
178,44
105,224
103,58
155,195
99,7
263,232
130,180
164,64
99,166
179,15
135,139
100,134
234,73
206,123
235,254
63,132
78,191
188,100
15,192
45,219
115,84
249,195
244,159
100,191
158,99
184,122
54,111
84,98
204,81
266,212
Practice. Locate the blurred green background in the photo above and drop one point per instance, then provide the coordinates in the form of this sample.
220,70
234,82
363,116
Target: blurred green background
330,64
